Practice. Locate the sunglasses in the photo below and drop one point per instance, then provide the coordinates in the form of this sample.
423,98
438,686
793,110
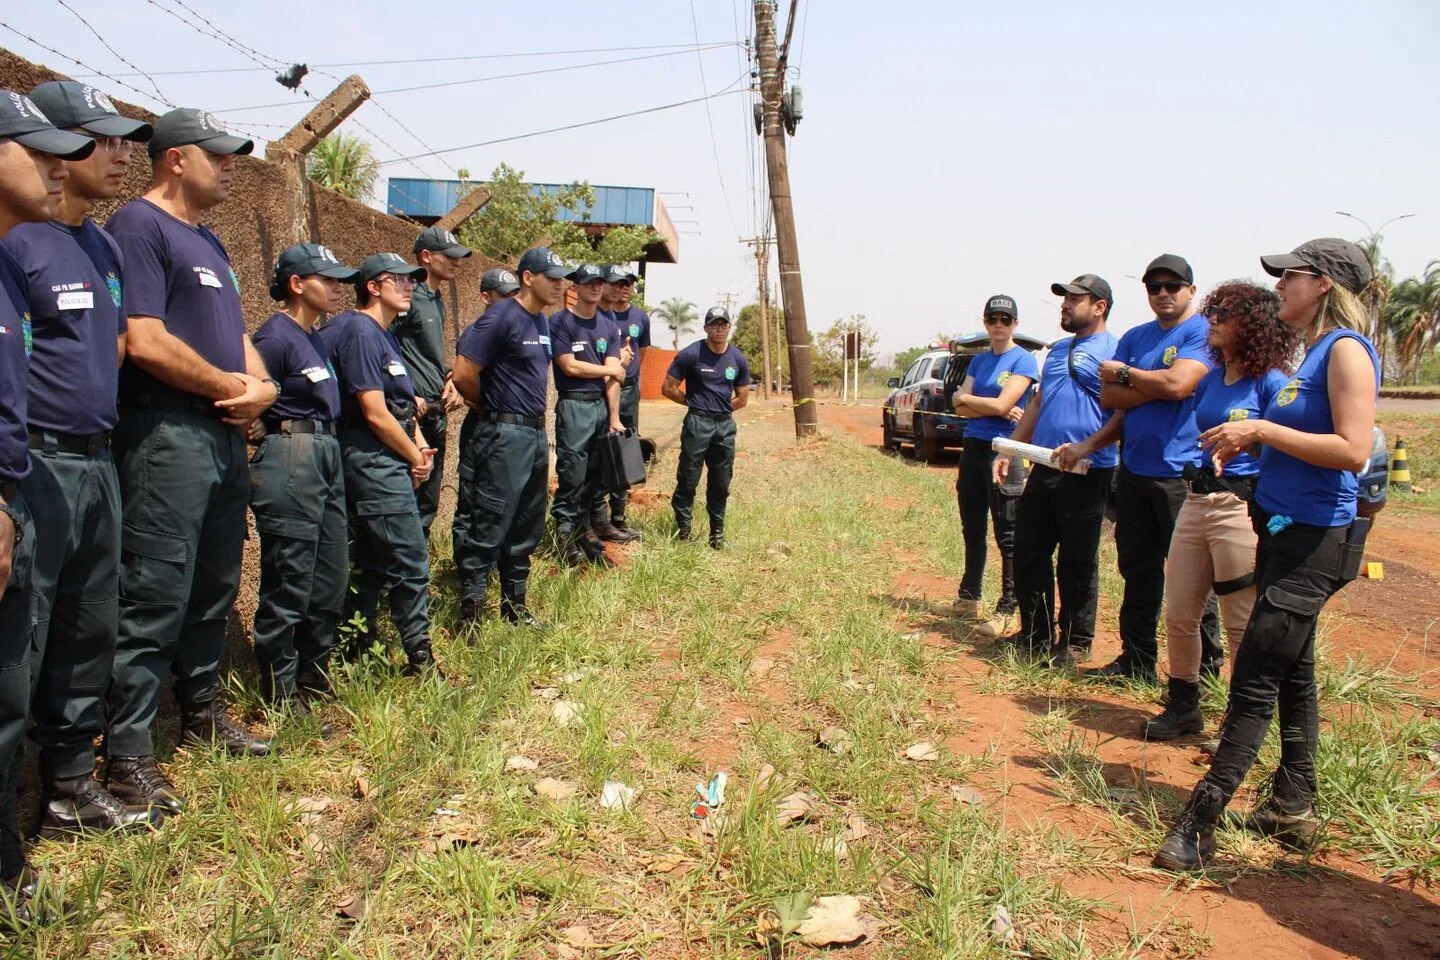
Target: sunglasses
1300,273
999,319
1153,287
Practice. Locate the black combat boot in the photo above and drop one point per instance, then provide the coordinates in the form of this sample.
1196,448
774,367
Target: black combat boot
1191,841
80,805
1181,715
469,611
1291,822
717,536
594,551
420,661
138,782
627,533
614,532
513,609
204,722
1122,668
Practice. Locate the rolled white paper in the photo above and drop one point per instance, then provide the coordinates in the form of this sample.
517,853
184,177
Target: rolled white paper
1045,455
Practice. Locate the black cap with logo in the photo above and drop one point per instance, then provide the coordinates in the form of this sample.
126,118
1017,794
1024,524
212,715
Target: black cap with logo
25,123
307,260
185,126
71,104
499,280
717,315
587,273
619,273
1169,263
1002,303
1086,283
378,264
542,260
1340,260
439,240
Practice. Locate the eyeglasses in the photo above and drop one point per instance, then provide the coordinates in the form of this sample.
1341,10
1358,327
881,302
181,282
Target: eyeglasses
401,283
1172,287
999,319
1219,318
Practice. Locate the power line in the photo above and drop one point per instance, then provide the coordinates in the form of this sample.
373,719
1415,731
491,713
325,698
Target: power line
221,35
74,13
710,122
804,23
726,91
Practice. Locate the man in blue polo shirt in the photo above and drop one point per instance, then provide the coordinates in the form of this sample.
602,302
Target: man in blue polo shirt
502,364
1148,384
74,278
31,180
634,325
191,384
1061,509
717,383
588,374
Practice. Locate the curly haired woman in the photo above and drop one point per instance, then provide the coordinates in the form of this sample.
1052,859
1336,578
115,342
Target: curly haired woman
1213,547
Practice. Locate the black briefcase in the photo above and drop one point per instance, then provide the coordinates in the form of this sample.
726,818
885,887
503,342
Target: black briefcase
622,462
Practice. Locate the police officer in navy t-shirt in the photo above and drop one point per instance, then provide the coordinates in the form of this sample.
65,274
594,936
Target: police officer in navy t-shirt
502,365
75,275
634,325
717,383
191,384
297,486
1149,385
31,178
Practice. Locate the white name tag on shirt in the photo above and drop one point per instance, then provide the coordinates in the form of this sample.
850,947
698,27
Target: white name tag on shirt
75,300
577,347
545,341
209,280
396,369
317,374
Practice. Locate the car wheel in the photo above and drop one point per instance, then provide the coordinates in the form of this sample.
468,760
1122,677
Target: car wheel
889,442
927,445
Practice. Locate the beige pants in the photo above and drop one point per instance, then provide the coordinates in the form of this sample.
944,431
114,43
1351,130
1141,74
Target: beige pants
1213,543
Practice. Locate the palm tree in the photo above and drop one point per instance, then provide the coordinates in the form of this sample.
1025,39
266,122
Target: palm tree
345,164
679,315
1411,319
1376,296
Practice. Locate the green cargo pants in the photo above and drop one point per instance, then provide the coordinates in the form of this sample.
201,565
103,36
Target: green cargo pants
14,686
579,425
389,546
616,500
427,495
467,564
512,470
75,499
183,485
711,444
297,492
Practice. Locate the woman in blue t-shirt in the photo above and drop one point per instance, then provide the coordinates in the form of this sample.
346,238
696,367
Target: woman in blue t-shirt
1213,547
1315,434
993,397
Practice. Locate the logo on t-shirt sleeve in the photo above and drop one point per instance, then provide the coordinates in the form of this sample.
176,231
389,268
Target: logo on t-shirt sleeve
634,330
600,344
1000,380
1288,393
112,283
1169,356
730,373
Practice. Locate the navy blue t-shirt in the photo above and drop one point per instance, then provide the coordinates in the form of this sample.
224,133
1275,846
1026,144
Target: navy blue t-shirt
1070,407
710,378
308,388
364,357
589,341
1160,435
14,369
73,283
181,275
1218,402
635,324
512,347
991,372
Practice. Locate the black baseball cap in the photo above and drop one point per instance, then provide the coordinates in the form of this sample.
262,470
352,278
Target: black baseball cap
186,125
25,123
1002,303
1171,263
542,260
71,104
587,273
717,315
1086,283
618,273
1340,260
381,263
500,280
443,241
308,260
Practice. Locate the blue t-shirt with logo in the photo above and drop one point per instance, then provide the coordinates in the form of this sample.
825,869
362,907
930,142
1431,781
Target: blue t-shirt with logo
14,369
634,323
589,341
511,345
991,372
1160,435
308,388
1070,407
1318,496
364,357
1218,402
710,378
73,283
179,274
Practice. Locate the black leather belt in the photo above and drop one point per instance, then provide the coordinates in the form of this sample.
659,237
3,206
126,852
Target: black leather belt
631,381
327,427
173,403
87,445
581,395
707,415
495,416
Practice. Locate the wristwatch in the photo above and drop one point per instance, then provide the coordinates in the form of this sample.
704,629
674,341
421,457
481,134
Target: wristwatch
274,383
9,511
1123,377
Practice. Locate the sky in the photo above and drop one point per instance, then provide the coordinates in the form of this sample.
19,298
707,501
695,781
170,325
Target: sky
947,152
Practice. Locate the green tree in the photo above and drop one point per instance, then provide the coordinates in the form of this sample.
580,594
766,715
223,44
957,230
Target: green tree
679,315
746,338
1411,320
829,348
345,164
904,358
